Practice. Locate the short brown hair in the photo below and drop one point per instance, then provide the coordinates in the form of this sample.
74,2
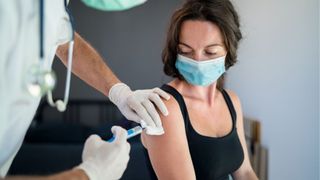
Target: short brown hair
219,12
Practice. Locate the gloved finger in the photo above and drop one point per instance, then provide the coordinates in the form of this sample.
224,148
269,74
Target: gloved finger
143,124
159,103
120,134
162,93
152,112
93,140
125,150
128,147
132,115
123,156
141,112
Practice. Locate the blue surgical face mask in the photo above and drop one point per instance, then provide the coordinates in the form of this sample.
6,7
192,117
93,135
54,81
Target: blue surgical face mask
113,5
200,73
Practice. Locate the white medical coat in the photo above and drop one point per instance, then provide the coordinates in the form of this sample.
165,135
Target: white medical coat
19,49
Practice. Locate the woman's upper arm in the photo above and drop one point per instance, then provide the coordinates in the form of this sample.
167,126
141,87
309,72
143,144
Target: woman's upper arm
245,171
169,153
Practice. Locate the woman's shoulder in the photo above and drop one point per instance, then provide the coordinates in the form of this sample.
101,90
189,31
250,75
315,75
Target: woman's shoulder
172,104
173,123
175,114
234,98
237,106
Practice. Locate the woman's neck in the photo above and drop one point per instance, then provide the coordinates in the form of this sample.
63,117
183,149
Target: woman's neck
201,94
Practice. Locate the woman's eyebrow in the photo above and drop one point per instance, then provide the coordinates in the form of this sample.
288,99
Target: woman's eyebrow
181,43
216,44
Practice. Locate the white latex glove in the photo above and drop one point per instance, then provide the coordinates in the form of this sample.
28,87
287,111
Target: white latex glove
103,160
139,106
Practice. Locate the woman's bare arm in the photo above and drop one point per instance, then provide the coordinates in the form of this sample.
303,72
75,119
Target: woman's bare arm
169,153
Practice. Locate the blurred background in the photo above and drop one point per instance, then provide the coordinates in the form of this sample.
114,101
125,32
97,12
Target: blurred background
276,78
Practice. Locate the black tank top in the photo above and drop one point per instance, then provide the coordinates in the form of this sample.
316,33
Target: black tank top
213,158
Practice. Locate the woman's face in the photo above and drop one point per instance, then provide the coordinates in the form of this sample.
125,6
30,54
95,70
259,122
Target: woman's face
201,40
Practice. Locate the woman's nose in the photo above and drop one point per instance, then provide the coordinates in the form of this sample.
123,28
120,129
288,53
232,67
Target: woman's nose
198,56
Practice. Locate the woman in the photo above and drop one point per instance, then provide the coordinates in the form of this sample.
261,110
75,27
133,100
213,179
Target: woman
204,135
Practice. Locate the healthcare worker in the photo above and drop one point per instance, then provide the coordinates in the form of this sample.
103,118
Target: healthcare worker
31,33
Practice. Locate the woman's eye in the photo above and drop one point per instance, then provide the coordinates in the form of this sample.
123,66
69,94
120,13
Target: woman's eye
184,53
210,53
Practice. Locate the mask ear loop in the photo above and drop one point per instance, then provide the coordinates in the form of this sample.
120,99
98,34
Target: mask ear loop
62,105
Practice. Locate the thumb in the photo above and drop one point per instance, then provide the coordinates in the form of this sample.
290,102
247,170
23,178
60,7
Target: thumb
93,141
120,134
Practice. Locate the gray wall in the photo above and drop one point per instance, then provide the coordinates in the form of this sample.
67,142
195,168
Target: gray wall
131,43
277,77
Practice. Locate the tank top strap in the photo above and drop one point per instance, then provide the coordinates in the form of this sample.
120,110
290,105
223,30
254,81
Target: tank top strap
169,89
230,106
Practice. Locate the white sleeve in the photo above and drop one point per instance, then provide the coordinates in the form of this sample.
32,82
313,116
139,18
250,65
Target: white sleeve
57,28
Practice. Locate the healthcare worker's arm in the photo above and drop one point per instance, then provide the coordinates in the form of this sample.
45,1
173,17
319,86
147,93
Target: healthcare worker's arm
169,153
245,172
75,174
101,159
88,65
134,105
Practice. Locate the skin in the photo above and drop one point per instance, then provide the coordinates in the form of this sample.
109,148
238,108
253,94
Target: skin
75,174
208,111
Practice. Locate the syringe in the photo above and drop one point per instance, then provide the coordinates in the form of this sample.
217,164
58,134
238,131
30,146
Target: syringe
131,133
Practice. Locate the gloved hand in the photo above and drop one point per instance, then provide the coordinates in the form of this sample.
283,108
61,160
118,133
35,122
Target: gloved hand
104,160
139,106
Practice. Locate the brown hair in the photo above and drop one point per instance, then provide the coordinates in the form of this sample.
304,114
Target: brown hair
219,12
